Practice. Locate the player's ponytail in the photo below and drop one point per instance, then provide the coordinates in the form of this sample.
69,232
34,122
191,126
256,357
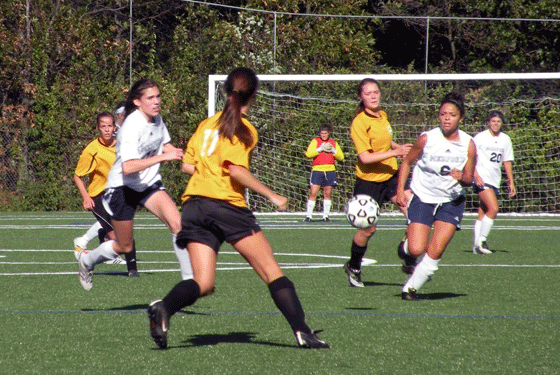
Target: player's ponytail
240,87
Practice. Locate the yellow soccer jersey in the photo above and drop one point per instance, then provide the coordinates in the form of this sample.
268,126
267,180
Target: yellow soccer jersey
96,161
210,153
373,134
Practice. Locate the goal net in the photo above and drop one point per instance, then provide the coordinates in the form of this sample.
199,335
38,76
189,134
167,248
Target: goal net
290,108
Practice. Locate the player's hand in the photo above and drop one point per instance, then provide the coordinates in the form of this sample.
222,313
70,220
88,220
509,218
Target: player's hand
173,153
403,150
512,190
457,174
478,180
280,202
327,147
402,199
88,204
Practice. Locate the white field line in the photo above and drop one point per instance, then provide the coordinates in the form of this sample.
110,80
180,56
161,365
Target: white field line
227,266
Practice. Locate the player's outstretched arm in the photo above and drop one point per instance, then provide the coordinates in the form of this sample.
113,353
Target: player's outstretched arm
246,179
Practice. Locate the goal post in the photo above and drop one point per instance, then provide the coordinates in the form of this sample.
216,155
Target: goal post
289,109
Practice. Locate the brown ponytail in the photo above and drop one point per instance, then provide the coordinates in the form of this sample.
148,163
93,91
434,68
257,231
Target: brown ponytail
240,87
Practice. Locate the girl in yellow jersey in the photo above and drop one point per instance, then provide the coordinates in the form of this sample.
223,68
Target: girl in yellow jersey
376,169
215,210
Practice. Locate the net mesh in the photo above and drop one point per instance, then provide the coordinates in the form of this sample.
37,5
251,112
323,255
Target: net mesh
288,115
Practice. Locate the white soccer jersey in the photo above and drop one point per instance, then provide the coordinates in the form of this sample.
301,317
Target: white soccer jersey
431,177
138,139
491,152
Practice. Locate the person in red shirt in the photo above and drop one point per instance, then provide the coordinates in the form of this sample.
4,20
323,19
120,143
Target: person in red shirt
324,151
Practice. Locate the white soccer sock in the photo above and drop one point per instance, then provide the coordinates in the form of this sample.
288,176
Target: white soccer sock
310,208
422,273
326,207
100,254
485,228
476,233
184,260
92,232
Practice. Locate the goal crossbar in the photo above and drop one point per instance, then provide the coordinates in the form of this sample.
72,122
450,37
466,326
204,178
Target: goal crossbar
213,78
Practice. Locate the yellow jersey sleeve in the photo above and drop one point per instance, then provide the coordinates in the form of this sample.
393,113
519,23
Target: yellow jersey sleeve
95,161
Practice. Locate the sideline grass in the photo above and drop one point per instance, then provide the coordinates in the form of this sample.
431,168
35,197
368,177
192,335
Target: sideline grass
492,314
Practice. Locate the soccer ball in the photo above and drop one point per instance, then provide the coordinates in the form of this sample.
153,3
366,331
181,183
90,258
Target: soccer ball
362,211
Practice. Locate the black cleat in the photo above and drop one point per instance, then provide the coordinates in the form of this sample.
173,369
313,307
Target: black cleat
307,220
310,340
354,276
484,245
133,273
410,295
409,261
326,220
159,323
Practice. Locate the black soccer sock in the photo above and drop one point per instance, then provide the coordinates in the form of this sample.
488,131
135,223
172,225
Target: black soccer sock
284,295
184,294
356,255
101,234
131,258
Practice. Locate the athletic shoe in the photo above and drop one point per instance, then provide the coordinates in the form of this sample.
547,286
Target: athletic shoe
326,220
159,323
409,261
79,245
85,275
133,273
480,250
117,260
410,295
354,276
484,245
310,340
307,220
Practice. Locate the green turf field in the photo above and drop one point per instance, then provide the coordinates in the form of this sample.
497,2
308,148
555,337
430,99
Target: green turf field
491,314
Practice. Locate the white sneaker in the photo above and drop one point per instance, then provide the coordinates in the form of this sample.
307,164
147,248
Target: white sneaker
117,260
79,245
480,250
85,275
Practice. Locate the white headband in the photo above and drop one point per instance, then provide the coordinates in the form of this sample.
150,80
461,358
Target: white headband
119,111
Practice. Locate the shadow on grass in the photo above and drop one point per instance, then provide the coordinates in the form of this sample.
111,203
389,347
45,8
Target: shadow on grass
493,251
229,338
373,283
437,296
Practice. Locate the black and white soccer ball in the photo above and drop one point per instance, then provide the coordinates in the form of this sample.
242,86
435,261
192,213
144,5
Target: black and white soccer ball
362,211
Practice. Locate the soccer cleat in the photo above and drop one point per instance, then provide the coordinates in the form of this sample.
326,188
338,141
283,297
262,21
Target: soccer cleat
307,220
354,276
79,245
310,340
159,323
117,260
484,245
133,273
480,250
409,261
410,295
85,275
326,220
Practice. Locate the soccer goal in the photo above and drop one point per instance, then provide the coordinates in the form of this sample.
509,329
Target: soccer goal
290,108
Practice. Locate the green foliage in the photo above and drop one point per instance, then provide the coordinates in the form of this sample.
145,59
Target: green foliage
63,62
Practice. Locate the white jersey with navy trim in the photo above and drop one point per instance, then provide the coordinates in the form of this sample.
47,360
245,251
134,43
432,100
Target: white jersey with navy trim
138,139
431,178
491,152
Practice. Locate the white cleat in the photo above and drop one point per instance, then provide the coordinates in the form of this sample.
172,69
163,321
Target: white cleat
85,275
480,250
